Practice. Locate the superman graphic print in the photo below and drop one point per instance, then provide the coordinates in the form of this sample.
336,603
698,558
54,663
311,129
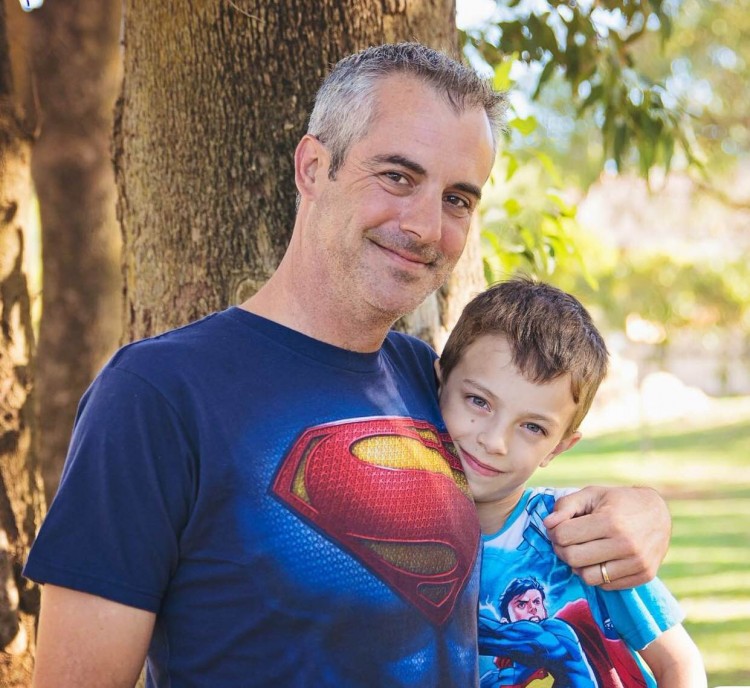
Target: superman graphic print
540,626
290,511
384,490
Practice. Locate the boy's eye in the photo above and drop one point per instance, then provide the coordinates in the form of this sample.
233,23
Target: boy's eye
477,401
536,429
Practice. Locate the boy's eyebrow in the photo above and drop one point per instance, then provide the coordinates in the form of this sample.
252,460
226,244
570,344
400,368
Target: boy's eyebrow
540,416
409,164
484,390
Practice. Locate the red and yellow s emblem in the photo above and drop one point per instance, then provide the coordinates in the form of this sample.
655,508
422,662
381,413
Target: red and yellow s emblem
389,491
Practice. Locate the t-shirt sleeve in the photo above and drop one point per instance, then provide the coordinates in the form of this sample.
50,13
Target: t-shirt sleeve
125,495
642,614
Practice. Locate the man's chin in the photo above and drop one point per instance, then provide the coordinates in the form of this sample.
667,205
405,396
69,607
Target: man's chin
399,306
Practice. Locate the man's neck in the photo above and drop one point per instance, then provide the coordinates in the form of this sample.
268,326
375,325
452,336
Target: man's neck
309,312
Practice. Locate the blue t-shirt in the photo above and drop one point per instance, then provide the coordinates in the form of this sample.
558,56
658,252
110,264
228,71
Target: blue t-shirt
291,511
539,621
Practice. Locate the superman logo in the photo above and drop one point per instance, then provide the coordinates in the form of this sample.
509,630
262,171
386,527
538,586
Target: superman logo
390,492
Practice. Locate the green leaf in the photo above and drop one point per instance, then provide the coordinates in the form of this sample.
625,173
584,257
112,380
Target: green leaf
524,125
513,165
549,166
544,77
502,81
621,135
512,207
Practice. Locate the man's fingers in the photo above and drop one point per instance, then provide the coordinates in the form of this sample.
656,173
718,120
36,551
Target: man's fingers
574,505
585,530
594,552
586,559
624,528
623,573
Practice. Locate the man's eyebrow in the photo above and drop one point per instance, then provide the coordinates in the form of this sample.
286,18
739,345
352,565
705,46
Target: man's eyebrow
402,161
414,166
470,189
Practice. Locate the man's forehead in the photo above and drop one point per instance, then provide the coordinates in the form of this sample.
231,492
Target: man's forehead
408,115
413,87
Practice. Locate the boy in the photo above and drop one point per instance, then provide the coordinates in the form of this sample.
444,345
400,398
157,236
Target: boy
517,376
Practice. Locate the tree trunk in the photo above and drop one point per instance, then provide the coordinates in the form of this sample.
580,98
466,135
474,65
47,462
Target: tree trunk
21,496
77,70
215,98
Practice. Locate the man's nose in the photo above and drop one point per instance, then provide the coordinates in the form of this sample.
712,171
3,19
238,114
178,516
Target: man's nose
422,216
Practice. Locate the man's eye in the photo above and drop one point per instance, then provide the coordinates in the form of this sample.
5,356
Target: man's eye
458,202
396,177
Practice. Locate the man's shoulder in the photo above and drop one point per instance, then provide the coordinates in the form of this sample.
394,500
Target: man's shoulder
402,342
186,346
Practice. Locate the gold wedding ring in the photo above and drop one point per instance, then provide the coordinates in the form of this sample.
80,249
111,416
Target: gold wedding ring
605,575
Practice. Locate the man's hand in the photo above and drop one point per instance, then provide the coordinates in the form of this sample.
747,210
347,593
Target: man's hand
625,528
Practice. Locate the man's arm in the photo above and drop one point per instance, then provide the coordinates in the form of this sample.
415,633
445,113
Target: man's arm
626,528
85,641
675,660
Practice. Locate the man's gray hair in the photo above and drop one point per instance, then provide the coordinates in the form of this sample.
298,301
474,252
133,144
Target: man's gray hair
345,104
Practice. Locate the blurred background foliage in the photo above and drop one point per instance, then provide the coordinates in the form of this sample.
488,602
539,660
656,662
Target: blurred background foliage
625,179
651,91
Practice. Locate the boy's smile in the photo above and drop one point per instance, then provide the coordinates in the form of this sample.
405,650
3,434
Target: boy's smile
504,427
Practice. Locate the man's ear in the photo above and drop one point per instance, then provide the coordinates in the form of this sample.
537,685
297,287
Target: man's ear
562,446
311,162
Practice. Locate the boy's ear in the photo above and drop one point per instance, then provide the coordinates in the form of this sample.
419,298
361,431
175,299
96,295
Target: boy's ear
311,161
562,446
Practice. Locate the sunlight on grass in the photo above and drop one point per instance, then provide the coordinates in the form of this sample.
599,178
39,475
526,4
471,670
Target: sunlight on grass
728,506
710,555
723,583
711,608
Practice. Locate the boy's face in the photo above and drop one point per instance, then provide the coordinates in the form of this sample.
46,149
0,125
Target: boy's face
503,426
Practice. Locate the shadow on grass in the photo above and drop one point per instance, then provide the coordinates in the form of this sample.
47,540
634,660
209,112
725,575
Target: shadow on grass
729,438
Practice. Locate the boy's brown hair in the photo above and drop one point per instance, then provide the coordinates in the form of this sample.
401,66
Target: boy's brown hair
549,333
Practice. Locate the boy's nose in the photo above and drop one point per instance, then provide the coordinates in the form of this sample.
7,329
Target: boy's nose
493,440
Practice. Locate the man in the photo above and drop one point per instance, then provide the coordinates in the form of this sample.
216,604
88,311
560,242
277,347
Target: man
265,497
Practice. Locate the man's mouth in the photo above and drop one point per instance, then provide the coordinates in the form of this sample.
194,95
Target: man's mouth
403,257
407,253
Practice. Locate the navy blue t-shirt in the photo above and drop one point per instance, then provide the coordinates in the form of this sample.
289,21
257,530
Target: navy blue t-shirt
292,512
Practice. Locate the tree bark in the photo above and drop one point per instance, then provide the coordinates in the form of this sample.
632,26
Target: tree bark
21,494
215,98
77,70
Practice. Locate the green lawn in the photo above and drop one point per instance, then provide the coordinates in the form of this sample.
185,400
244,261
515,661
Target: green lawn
702,467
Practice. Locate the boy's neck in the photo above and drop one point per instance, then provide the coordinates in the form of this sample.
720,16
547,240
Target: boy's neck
493,515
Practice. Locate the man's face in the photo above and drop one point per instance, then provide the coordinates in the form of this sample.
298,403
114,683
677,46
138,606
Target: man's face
389,228
528,606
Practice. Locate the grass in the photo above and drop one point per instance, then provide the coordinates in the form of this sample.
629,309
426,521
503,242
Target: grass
702,468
